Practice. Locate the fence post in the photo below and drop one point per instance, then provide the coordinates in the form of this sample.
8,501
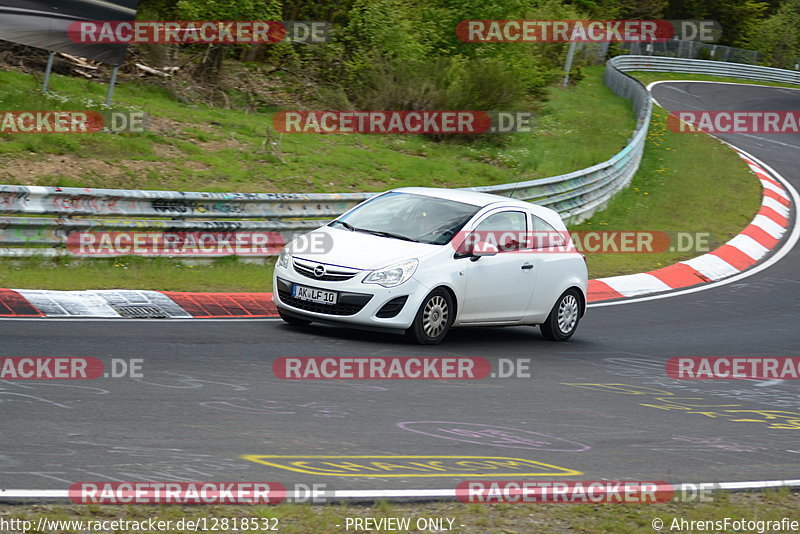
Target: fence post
111,85
568,64
47,71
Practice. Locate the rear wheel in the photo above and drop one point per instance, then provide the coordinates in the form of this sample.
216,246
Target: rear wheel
294,321
433,319
563,319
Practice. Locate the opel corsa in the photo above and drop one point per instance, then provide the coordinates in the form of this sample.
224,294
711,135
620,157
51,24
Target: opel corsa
420,261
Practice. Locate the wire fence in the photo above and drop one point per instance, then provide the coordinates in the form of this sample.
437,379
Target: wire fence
693,50
29,229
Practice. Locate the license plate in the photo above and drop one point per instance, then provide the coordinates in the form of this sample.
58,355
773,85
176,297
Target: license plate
314,295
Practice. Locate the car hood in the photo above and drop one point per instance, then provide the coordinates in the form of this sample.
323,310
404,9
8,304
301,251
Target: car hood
359,250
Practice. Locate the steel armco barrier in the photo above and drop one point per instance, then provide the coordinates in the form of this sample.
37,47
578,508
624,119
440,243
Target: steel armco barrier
702,66
576,195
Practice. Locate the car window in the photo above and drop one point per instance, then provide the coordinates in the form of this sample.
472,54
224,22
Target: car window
506,229
414,217
544,235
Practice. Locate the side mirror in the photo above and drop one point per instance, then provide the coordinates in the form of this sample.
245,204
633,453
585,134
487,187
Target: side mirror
473,247
482,248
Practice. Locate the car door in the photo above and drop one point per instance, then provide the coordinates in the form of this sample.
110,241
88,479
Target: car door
499,287
550,248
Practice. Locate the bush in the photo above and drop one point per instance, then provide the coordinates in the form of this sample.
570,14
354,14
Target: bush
778,36
438,84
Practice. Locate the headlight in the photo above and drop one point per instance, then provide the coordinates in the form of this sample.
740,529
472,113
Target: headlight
394,275
284,258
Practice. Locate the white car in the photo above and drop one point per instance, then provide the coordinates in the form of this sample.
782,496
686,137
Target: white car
422,260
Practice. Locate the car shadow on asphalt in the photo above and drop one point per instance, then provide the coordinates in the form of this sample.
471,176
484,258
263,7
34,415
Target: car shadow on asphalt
457,338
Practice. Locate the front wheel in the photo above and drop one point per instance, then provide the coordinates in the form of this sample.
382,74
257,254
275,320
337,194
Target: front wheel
433,319
563,319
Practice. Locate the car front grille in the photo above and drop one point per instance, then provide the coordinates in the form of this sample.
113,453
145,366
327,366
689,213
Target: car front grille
335,274
346,303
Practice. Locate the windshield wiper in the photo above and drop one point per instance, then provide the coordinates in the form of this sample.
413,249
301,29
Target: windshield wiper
374,232
386,234
346,225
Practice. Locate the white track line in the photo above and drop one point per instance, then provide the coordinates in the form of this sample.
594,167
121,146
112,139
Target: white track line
760,220
426,493
719,271
651,84
440,493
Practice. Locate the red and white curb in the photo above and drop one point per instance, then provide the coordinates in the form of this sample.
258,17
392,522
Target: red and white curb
737,255
741,253
126,304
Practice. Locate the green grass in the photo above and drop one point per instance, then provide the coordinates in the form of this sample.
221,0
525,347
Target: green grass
688,183
476,518
200,148
225,274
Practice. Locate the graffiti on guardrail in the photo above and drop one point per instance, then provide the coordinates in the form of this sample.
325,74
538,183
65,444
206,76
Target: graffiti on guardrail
189,206
576,196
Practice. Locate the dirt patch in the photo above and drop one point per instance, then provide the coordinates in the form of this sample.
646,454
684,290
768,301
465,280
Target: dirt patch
72,171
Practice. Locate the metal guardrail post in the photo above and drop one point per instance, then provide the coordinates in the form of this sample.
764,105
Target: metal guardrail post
47,71
574,195
111,85
568,64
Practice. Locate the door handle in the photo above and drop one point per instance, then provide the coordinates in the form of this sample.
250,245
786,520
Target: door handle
527,266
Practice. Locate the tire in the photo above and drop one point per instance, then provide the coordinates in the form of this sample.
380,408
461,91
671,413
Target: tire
564,317
433,319
294,321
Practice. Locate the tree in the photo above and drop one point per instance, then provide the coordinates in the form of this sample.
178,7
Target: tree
778,36
211,64
737,17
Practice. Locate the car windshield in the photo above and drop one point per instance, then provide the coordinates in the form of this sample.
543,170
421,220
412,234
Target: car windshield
409,217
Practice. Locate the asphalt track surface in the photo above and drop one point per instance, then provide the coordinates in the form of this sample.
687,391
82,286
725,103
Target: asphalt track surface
209,395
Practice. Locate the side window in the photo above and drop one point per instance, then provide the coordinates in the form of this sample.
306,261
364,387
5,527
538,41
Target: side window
506,229
544,235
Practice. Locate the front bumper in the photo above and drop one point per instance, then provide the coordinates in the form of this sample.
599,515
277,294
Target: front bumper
358,304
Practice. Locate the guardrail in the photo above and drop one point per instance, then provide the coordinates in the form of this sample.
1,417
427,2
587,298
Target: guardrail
577,195
703,66
71,201
574,195
50,237
681,48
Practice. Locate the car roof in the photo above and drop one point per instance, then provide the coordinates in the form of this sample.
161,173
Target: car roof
477,198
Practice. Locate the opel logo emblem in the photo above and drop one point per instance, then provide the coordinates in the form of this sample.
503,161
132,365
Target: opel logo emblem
319,271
